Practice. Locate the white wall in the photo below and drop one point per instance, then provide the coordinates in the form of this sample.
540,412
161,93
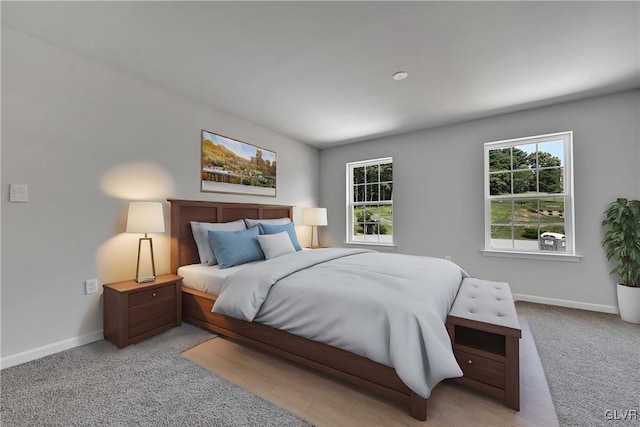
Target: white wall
71,130
438,193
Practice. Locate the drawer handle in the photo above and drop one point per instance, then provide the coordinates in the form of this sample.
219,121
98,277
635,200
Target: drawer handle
470,362
154,294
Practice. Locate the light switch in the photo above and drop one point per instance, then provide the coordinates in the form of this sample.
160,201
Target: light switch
18,193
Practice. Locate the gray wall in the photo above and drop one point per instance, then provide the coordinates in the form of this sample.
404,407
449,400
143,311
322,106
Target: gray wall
85,138
438,193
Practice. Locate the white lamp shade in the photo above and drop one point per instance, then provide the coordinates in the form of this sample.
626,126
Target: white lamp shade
145,217
314,216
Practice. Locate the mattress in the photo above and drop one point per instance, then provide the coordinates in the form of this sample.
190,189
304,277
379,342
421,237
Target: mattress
208,278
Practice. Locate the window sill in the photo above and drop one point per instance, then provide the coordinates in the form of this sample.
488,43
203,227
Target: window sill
532,255
386,245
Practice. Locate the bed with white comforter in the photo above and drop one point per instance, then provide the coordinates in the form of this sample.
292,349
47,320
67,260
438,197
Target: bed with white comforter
389,308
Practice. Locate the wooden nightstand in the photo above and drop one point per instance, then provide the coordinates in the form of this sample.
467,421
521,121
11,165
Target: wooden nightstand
136,311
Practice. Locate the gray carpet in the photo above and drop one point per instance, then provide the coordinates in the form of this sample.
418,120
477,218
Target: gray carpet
148,383
591,360
592,364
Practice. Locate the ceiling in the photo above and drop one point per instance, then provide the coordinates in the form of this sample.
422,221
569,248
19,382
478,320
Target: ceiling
321,72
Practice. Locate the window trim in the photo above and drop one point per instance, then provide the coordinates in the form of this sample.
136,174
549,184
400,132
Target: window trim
350,204
569,215
549,256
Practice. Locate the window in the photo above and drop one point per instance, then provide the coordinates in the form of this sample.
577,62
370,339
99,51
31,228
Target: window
529,195
370,202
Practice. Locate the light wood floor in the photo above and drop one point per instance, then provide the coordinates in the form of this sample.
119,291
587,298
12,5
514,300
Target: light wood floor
324,401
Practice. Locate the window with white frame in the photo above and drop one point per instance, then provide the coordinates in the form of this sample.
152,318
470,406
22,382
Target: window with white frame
529,195
370,201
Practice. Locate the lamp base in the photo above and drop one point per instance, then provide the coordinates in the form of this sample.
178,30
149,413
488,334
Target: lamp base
314,233
151,277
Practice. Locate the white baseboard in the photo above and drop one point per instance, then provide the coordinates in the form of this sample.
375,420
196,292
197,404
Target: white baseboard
567,303
46,350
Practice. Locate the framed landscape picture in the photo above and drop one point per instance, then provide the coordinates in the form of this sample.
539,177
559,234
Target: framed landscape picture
232,166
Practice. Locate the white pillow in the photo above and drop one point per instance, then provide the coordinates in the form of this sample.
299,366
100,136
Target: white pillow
278,221
275,245
200,232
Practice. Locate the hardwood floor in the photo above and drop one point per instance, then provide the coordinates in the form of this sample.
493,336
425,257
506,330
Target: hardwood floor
324,401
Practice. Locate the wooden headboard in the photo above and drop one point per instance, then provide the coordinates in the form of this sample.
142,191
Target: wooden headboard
183,246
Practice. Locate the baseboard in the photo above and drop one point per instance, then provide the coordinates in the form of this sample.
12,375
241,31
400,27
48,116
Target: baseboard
46,350
567,303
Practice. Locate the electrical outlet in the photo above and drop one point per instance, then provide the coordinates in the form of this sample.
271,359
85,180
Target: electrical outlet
91,286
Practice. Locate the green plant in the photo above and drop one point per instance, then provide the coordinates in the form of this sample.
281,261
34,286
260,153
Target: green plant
622,239
530,233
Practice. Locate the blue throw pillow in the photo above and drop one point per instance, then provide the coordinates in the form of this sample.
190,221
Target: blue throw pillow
289,228
235,247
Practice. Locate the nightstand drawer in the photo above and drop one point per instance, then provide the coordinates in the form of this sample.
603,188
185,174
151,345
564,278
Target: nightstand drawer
136,311
482,369
152,295
148,317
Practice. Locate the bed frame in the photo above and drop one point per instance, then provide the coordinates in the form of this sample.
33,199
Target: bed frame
196,309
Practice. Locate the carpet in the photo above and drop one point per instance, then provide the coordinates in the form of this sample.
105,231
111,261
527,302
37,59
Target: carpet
592,364
146,384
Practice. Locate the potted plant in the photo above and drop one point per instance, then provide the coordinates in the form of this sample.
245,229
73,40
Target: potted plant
622,244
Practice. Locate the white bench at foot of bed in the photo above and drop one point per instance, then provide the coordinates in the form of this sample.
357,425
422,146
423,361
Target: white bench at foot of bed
484,331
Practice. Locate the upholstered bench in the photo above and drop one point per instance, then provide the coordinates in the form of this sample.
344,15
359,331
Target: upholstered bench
484,330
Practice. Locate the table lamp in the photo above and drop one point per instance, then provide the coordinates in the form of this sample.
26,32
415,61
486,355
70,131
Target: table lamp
314,217
145,217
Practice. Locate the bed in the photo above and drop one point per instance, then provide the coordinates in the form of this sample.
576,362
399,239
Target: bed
197,309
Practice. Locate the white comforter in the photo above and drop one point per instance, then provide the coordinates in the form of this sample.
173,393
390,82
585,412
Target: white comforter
389,308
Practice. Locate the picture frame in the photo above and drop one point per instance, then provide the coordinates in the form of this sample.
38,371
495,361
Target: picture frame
231,166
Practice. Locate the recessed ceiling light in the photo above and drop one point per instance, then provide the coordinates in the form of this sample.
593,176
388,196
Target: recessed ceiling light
400,75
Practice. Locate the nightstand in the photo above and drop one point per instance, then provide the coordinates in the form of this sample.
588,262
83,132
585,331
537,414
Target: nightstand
136,311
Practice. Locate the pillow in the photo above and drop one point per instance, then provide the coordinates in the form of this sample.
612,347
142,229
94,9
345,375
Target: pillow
253,222
200,229
274,245
235,247
289,228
